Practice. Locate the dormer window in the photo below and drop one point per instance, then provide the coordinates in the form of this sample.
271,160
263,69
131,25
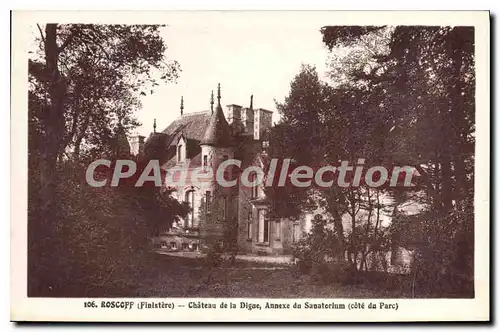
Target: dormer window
179,153
181,150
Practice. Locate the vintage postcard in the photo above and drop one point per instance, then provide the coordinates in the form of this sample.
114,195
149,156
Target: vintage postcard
250,166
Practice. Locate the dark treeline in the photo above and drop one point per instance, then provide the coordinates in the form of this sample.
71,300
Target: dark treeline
84,87
400,96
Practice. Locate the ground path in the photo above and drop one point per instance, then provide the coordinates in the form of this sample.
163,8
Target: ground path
278,260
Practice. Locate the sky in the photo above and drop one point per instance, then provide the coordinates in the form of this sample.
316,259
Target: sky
244,57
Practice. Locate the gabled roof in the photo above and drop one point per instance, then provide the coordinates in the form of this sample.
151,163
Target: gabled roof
218,132
191,125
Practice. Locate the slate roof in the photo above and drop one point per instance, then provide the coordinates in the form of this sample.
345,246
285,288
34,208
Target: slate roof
194,162
191,125
218,132
196,128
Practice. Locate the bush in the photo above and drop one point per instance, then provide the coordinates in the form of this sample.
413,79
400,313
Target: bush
97,240
230,245
316,254
302,256
443,263
214,255
444,266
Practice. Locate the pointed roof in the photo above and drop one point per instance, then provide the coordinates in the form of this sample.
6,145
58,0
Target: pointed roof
121,146
218,132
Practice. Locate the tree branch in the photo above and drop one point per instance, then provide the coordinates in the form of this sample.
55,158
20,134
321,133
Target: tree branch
430,186
41,33
68,40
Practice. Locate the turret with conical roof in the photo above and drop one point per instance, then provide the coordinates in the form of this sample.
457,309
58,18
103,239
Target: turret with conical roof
121,144
216,148
218,132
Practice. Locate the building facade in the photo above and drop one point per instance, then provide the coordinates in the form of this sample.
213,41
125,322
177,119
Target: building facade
196,143
190,151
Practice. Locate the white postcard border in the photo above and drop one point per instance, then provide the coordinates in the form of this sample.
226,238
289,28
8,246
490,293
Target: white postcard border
57,309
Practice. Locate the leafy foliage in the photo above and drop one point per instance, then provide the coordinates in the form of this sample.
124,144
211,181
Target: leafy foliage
316,252
334,35
101,72
404,97
85,82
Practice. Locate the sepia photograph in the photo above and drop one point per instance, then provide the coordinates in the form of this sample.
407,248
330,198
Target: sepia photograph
305,165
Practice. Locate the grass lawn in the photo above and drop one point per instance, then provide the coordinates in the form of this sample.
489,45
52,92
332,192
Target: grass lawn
186,277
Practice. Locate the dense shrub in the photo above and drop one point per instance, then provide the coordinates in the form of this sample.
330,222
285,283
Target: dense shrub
443,245
214,254
219,251
318,254
444,264
302,255
97,240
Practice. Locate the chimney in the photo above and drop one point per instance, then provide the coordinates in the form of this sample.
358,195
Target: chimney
247,119
137,144
262,122
233,113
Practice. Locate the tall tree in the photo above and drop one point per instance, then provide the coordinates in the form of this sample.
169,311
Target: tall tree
406,101
424,88
85,83
85,79
425,85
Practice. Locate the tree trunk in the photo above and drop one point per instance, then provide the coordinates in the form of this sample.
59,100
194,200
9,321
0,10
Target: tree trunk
54,125
354,235
339,231
447,185
79,137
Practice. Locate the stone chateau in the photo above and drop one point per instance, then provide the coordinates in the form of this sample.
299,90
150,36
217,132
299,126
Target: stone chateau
204,140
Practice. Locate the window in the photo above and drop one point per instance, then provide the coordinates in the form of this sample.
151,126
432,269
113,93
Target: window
189,198
208,201
249,230
295,232
255,188
263,227
227,170
249,226
277,229
179,153
205,162
224,207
